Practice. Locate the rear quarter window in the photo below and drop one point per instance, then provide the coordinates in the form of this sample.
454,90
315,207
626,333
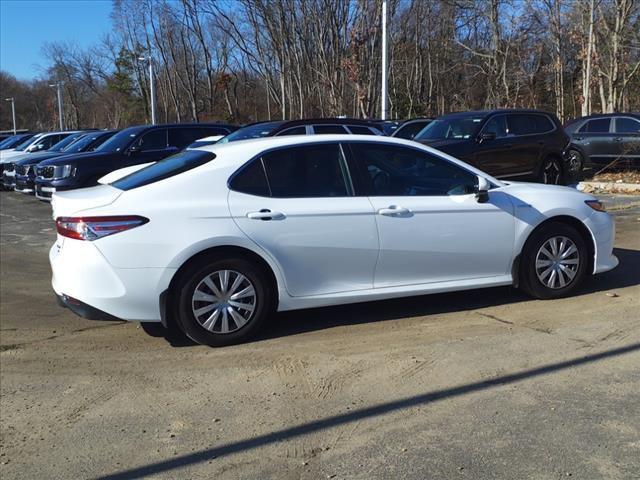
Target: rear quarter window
169,167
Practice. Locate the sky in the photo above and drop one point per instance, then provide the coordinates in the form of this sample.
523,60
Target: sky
25,25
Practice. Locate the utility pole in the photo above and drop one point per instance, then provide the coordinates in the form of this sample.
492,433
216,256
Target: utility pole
58,86
383,107
13,112
152,87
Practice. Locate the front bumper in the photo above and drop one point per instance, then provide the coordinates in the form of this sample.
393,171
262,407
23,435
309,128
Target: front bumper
603,229
8,180
24,184
44,193
92,287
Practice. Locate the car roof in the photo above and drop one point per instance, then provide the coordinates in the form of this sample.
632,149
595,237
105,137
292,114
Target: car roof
485,113
604,115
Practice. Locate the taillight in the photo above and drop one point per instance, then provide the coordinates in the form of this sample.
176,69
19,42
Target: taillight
93,228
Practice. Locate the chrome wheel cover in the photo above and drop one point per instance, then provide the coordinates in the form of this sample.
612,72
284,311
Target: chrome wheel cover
551,173
557,262
224,301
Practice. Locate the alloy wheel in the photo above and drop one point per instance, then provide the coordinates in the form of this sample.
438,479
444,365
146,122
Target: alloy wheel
224,301
557,262
551,172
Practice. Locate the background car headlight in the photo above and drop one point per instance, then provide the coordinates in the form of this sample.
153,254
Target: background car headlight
64,171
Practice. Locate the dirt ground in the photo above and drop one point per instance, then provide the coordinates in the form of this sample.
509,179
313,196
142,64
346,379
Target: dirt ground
482,385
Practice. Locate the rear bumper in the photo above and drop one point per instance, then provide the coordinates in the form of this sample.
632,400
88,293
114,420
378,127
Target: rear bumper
82,309
92,288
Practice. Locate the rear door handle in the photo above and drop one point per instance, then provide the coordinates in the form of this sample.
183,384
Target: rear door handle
265,214
577,138
394,210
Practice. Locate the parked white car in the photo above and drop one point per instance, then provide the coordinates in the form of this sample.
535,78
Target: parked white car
214,240
37,143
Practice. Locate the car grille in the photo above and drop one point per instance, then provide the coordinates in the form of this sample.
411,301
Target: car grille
9,167
45,172
22,169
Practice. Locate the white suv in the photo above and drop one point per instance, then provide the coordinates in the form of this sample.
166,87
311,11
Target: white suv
213,240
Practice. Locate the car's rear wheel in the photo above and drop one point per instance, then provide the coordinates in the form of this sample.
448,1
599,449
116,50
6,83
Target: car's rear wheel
223,302
576,164
554,261
551,172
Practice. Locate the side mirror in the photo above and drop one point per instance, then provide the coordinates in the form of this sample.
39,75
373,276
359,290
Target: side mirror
486,136
483,190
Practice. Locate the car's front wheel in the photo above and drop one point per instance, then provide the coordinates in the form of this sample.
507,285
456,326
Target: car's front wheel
554,261
223,301
576,164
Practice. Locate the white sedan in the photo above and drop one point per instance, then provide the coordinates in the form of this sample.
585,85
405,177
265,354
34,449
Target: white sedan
213,240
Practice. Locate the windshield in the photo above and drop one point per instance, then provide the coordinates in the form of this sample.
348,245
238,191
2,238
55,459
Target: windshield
169,167
120,140
252,131
454,127
64,143
23,146
91,139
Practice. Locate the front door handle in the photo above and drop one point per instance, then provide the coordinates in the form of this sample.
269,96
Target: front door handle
393,211
265,214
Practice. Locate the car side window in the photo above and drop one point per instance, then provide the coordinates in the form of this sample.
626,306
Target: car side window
306,171
627,125
251,180
182,136
360,130
496,125
410,130
153,140
293,131
521,124
599,125
542,123
329,129
402,171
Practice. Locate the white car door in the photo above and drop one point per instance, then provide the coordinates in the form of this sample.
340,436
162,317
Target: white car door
432,227
297,204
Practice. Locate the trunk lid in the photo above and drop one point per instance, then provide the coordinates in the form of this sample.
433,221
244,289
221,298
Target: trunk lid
74,202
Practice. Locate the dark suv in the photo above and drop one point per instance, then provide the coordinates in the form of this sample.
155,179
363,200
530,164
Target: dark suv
131,146
600,140
523,144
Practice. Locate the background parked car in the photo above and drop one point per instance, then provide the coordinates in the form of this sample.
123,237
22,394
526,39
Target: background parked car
524,144
598,140
37,143
25,168
14,140
411,128
312,126
203,142
131,146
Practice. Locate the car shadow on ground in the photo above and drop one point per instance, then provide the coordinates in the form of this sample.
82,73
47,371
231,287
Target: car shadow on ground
301,321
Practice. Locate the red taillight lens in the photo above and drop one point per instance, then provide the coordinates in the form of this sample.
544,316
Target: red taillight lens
92,228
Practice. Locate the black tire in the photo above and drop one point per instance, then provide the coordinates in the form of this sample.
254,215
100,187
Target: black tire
153,329
551,171
529,278
575,164
193,277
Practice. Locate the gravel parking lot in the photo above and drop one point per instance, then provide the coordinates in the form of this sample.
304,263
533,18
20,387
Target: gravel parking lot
482,384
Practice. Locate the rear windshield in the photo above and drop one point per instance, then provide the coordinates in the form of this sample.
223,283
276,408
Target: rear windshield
169,167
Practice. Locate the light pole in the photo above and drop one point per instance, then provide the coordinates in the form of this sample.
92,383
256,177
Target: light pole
383,107
152,87
13,112
58,86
